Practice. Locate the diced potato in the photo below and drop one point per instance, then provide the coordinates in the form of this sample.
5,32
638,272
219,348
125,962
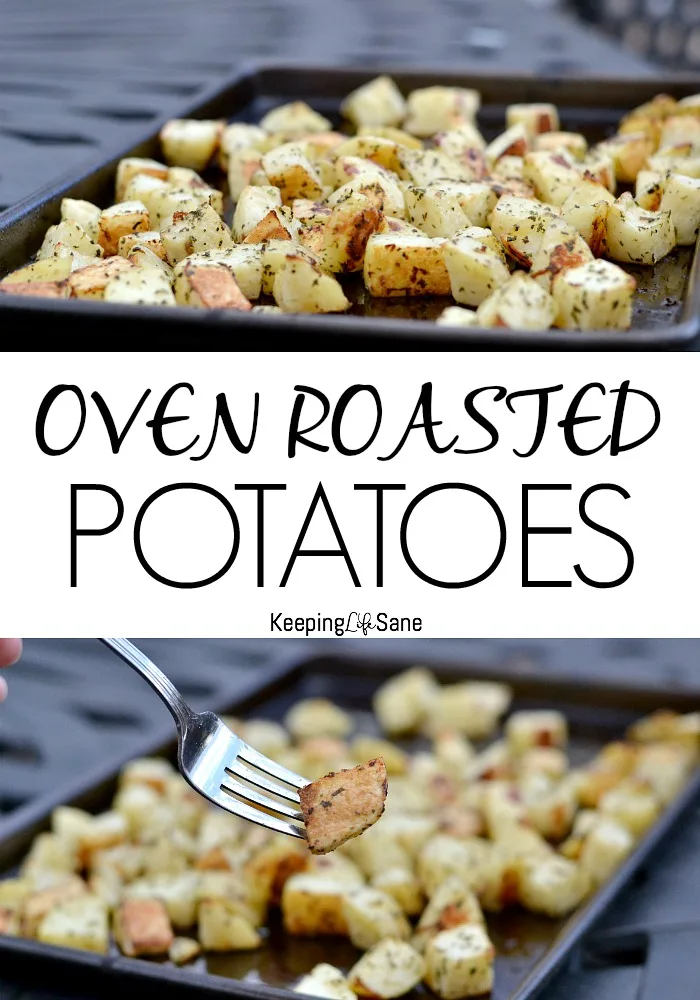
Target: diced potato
382,188
221,927
472,708
681,197
536,118
83,213
90,282
665,768
243,166
152,192
317,717
325,981
552,175
629,154
292,172
521,224
597,165
476,199
346,232
337,865
183,178
130,167
553,812
460,141
313,905
140,255
391,969
634,807
677,129
184,950
208,286
119,220
459,962
177,892
50,269
444,856
77,923
150,240
294,117
142,927
450,905
41,902
239,136
457,316
676,159
492,764
391,133
253,204
521,303
648,189
274,253
572,143
586,211
301,286
423,167
192,232
378,102
635,236
667,726
436,210
365,747
342,805
71,235
552,886
543,728
515,141
397,265
140,286
439,109
372,915
9,922
243,260
597,295
604,849
14,891
368,147
404,887
49,851
190,142
561,249
476,265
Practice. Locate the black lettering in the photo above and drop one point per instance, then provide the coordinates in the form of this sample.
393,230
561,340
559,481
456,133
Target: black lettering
43,412
260,489
472,412
379,488
75,531
527,530
623,392
160,420
223,416
297,436
590,523
115,438
542,412
424,408
339,413
571,420
320,497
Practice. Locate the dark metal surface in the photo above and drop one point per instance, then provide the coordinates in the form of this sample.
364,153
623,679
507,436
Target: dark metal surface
594,108
536,948
57,678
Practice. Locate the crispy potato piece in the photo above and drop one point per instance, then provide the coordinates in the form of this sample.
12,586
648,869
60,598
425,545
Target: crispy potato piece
84,213
649,188
243,166
597,165
629,154
536,118
436,210
552,812
140,255
177,892
185,179
572,143
378,102
294,117
53,853
221,927
400,703
90,282
77,923
664,768
243,260
192,232
586,210
439,109
382,188
460,141
313,905
293,173
521,303
325,981
459,962
421,168
633,806
521,224
274,254
209,286
604,849
404,887
190,142
142,927
140,286
444,856
372,915
150,240
51,270
301,286
560,250
542,728
238,136
451,905
681,197
597,295
457,316
472,708
184,950
552,175
317,717
391,133
677,129
381,151
346,232
130,167
398,265
71,235
253,205
120,219
552,886
38,904
515,141
391,969
476,265
152,192
343,805
633,235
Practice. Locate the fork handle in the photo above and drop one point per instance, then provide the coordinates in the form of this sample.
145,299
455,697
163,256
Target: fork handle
168,693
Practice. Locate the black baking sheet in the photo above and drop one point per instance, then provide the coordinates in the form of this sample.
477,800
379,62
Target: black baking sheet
667,309
530,949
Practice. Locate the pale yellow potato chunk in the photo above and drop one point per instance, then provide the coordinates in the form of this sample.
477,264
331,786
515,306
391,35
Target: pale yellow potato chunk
398,265
140,286
605,848
403,886
237,137
192,232
47,269
176,891
378,102
521,303
472,708
457,316
84,213
553,886
681,197
184,950
444,856
150,240
629,154
325,981
371,916
313,905
572,143
294,117
120,219
536,118
190,142
346,232
586,210
90,282
515,141
77,923
594,296
391,969
71,235
439,109
459,962
634,807
132,166
151,191
521,224
552,175
634,235
476,265
292,172
221,927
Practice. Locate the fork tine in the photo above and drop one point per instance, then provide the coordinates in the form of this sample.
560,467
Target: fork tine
230,804
239,770
236,788
251,756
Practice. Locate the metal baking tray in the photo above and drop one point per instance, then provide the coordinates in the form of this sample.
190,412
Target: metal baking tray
530,949
667,313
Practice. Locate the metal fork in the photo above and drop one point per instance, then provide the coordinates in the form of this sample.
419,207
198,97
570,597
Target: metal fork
212,758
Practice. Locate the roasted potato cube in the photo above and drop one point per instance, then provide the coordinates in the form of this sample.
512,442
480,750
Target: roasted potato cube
49,270
561,249
177,892
586,209
244,166
439,109
383,152
292,172
378,102
401,702
404,887
192,232
681,197
184,179
183,950
381,186
312,717
301,286
635,236
552,175
597,165
150,240
649,188
667,726
550,761
572,143
274,255
337,865
254,203
133,166
372,915
515,141
142,927
221,927
90,282
451,905
552,886
521,224
553,811
604,849
457,316
543,728
243,260
343,805
398,265
679,129
597,295
459,962
49,851
346,232
77,923
140,255
140,286
71,235
83,213
680,159
390,969
502,807
208,286
476,265
190,142
38,904
120,219
294,117
239,136
634,807
436,210
472,708
313,905
664,768
629,154
325,981
365,747
521,303
461,141
391,133
14,891
444,856
535,117
425,166
169,202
